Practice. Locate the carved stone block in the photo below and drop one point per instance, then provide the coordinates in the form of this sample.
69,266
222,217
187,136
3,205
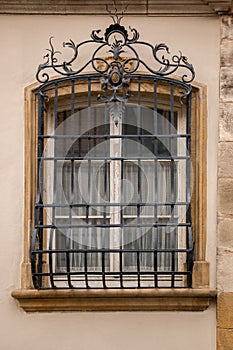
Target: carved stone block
226,53
226,121
227,27
225,237
226,84
225,159
225,195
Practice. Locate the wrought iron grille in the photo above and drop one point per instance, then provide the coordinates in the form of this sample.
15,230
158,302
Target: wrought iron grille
114,169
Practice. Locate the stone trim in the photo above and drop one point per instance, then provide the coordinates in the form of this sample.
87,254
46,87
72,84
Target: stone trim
137,7
112,300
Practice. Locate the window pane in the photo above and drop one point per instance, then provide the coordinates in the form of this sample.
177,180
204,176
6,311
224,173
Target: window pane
78,240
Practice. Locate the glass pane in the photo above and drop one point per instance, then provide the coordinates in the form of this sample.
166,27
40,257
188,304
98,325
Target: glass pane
149,238
145,132
78,240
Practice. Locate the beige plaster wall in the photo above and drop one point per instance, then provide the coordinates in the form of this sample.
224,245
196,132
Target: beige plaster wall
23,40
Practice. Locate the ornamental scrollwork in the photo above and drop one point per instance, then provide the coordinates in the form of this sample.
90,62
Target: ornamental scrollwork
115,58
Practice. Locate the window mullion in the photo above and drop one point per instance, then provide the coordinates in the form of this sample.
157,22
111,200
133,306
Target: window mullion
115,192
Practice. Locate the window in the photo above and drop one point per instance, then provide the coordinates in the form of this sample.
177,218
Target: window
114,181
121,183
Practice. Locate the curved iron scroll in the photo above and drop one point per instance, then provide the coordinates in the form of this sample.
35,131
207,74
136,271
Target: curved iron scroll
116,68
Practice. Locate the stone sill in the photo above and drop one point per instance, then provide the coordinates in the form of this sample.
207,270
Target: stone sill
114,300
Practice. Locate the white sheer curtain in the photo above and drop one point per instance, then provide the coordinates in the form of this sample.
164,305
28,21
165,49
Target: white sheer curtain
83,237
99,237
151,190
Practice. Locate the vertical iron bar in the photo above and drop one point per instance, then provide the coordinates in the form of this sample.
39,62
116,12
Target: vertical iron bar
139,140
172,151
89,181
123,238
72,175
95,132
85,252
68,233
80,132
33,259
68,247
72,149
105,221
105,192
121,221
40,169
69,237
155,227
55,123
104,229
189,260
51,258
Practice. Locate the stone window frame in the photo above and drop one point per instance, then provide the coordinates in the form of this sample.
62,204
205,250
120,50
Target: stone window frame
196,298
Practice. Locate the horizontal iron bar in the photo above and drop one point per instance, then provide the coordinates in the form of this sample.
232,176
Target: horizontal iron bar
102,250
120,287
90,137
115,158
115,225
120,273
139,204
97,76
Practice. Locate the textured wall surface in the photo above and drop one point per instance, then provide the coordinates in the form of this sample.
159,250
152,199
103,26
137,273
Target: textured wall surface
225,189
225,160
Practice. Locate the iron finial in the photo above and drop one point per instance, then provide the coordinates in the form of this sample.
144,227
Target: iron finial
117,17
